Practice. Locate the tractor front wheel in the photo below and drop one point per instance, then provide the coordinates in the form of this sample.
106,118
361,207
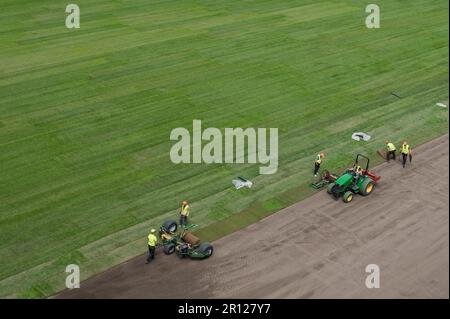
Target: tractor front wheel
330,188
169,249
170,226
366,187
348,197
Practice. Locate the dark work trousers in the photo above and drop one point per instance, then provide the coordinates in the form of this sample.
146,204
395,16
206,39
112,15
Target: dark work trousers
183,220
151,253
404,158
316,168
390,154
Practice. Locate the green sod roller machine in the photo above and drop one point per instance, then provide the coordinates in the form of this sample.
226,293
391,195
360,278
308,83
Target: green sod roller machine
182,242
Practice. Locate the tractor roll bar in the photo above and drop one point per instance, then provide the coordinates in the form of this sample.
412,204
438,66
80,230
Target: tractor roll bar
365,157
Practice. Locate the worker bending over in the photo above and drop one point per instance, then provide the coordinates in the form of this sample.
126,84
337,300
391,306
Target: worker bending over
391,149
152,242
406,151
317,162
184,213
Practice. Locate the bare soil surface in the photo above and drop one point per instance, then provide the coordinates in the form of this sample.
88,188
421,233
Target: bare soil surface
317,248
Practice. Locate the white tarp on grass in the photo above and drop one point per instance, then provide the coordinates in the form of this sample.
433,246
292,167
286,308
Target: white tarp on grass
242,182
360,136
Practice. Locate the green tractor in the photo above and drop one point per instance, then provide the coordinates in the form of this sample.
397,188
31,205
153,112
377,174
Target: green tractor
350,183
183,243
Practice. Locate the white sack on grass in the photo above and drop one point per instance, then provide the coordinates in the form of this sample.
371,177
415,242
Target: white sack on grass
242,182
359,136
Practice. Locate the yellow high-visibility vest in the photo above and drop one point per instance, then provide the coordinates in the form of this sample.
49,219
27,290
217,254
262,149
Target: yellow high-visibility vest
391,147
152,240
405,149
319,159
358,169
185,210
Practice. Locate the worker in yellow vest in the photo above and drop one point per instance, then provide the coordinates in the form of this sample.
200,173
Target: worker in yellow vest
184,213
391,149
406,152
317,162
358,172
152,242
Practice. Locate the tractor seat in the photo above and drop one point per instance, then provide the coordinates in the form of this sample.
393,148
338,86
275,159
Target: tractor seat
166,236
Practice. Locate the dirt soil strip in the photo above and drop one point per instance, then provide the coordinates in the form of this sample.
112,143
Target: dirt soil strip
317,248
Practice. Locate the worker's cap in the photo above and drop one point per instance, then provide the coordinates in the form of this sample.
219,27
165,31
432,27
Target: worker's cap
404,142
152,230
386,141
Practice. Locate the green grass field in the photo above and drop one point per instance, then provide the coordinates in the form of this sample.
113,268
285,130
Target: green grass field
86,114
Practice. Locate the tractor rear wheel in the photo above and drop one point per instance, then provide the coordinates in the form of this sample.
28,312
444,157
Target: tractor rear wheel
206,249
330,188
348,197
366,187
170,226
169,249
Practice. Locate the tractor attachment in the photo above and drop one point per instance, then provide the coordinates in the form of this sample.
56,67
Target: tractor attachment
183,242
325,179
